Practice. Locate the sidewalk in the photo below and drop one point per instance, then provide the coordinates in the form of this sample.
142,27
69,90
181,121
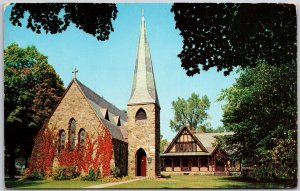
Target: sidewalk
114,183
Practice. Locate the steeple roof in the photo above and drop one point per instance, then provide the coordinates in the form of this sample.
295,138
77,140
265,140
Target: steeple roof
143,88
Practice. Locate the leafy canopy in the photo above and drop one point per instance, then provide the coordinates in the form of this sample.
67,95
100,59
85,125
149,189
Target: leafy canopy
261,110
227,35
92,18
191,112
163,143
32,89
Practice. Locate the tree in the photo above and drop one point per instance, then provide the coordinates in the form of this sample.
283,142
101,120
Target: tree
219,129
228,35
32,89
92,18
222,35
261,110
163,143
191,112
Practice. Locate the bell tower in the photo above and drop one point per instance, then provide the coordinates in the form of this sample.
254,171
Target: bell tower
143,124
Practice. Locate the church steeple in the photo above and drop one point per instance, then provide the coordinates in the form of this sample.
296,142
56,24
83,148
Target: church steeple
143,88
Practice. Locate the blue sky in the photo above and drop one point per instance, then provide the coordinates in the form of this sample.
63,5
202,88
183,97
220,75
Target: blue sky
107,67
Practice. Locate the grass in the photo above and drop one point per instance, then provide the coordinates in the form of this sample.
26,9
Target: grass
74,183
198,182
190,181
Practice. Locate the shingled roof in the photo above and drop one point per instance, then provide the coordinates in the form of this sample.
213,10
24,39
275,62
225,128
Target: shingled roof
99,104
209,139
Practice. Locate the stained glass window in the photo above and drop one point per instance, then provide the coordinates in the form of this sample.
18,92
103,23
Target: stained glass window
61,140
81,138
72,132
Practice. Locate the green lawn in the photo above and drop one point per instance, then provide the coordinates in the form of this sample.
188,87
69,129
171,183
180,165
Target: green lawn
173,182
75,183
198,182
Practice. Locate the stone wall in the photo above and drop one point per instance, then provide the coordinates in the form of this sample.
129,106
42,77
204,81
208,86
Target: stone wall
144,134
74,105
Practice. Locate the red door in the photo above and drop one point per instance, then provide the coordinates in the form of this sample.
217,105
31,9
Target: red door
141,163
143,166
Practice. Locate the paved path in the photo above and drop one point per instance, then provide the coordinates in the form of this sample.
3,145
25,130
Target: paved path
114,183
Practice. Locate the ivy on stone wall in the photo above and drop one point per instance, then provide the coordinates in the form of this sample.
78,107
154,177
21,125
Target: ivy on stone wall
97,153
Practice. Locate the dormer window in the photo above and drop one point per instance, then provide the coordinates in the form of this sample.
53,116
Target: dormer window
117,120
105,114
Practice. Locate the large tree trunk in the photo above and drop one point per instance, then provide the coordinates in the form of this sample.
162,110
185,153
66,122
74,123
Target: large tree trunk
11,163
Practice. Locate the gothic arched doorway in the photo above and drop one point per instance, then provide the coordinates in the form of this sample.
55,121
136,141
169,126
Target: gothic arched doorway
140,163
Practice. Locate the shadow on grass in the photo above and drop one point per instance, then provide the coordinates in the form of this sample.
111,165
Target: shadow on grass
17,183
252,183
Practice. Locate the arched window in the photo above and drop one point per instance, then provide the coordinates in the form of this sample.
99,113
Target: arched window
72,132
140,115
81,139
61,140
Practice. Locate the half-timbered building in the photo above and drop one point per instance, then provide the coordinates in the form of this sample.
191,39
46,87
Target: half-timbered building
191,152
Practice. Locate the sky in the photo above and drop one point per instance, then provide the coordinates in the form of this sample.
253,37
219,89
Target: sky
107,67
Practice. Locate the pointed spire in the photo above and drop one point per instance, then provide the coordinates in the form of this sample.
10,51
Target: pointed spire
143,88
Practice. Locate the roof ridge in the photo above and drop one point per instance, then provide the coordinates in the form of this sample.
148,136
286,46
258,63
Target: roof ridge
215,133
111,107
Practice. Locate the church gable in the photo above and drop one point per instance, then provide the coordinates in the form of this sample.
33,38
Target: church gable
185,141
74,105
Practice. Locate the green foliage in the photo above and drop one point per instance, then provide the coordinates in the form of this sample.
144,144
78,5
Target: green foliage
166,176
91,176
94,19
163,143
35,175
219,129
115,172
65,173
99,174
32,89
261,110
226,35
191,112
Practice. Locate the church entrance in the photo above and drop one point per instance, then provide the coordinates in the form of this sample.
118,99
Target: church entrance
140,163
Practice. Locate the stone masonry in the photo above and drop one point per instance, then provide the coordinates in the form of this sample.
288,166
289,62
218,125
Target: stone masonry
144,134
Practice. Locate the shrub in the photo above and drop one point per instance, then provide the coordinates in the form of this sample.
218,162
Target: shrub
91,176
98,174
65,173
115,172
165,176
35,175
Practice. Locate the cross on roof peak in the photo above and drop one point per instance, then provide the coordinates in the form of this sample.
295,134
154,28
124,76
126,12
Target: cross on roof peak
74,72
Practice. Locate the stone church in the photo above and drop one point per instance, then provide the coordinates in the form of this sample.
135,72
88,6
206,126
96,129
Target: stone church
133,137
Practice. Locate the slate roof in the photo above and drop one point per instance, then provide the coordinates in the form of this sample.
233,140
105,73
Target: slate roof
143,88
99,104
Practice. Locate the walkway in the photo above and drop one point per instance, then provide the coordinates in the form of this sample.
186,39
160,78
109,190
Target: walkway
114,183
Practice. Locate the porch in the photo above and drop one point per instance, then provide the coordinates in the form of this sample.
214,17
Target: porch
191,164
